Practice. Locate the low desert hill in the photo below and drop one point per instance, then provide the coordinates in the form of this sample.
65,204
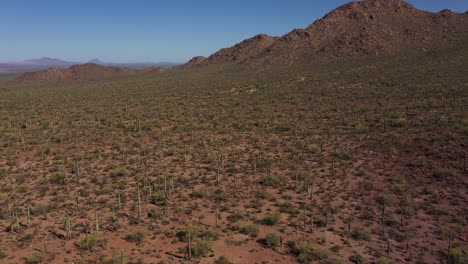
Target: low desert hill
83,72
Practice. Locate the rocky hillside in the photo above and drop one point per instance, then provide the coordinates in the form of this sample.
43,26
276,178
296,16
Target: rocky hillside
369,27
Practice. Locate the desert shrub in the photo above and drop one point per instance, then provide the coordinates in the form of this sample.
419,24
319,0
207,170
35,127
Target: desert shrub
251,230
399,122
137,236
2,254
90,241
361,234
220,195
246,228
287,207
272,219
35,258
273,240
384,260
387,199
26,239
236,216
59,177
200,193
120,172
44,150
197,232
209,234
360,128
156,214
357,259
202,248
458,256
3,173
305,251
40,209
269,180
223,260
343,155
115,259
159,198
442,173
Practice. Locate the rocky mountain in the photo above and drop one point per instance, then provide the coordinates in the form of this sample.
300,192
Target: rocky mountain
364,28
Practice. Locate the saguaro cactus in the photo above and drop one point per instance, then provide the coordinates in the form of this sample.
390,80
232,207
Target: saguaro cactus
139,200
29,215
96,222
68,227
121,256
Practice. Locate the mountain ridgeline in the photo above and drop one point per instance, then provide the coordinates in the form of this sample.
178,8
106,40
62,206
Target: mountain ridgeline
357,29
365,28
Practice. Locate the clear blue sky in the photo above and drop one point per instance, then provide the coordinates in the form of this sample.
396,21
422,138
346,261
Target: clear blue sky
153,30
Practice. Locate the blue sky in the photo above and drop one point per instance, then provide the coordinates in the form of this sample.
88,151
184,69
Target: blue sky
153,30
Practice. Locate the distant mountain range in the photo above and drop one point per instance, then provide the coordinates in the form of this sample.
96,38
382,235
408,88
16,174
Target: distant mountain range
46,62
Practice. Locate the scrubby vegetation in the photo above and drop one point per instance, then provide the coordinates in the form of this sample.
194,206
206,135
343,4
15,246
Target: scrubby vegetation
358,161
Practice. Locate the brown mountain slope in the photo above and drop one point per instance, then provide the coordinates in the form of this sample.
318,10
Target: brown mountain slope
192,62
248,49
370,27
83,72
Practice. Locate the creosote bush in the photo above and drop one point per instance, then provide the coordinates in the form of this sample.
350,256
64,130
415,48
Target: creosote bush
272,219
305,251
137,236
273,240
202,248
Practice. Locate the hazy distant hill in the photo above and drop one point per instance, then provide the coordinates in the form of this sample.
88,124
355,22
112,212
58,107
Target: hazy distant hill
46,62
83,72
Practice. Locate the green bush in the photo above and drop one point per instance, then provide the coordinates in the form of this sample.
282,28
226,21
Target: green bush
200,193
210,234
360,128
3,173
272,219
361,234
35,258
159,198
270,180
90,241
120,172
202,248
40,210
246,228
458,256
273,240
250,229
59,177
137,236
156,214
357,259
236,216
305,251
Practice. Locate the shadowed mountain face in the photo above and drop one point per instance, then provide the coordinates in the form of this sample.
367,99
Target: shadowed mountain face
370,27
